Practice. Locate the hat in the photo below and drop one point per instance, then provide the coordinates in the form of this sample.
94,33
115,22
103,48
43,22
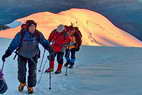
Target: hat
60,28
30,22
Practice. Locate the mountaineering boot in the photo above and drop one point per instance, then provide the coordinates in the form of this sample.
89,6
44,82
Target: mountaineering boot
66,64
59,69
21,87
71,65
51,68
58,72
30,90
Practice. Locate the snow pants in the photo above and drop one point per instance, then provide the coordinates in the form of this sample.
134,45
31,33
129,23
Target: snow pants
70,56
59,57
32,68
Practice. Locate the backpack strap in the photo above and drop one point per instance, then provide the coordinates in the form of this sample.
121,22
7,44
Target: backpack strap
37,35
22,32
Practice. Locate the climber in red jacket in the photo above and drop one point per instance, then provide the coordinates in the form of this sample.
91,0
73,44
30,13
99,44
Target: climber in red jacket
59,39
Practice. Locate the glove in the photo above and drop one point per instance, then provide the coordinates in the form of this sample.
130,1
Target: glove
7,54
50,49
77,49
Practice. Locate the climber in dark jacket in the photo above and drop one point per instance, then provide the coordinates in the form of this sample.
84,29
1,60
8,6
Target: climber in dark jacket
26,44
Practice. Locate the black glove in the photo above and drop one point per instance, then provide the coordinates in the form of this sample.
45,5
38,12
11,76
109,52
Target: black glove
50,49
7,54
77,49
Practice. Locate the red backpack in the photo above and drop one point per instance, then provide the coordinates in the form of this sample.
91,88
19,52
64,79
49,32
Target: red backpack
78,36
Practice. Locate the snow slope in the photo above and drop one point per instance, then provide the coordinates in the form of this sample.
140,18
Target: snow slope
126,14
99,71
96,29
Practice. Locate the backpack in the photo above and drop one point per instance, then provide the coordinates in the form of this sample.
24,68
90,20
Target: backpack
78,37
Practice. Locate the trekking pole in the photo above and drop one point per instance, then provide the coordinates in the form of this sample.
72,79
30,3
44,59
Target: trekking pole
41,61
15,56
66,74
2,66
42,71
50,80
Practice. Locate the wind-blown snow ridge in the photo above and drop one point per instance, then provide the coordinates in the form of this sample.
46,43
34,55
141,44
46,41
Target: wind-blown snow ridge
96,29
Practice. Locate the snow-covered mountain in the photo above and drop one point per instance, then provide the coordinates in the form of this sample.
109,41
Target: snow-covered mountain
14,24
96,29
98,71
